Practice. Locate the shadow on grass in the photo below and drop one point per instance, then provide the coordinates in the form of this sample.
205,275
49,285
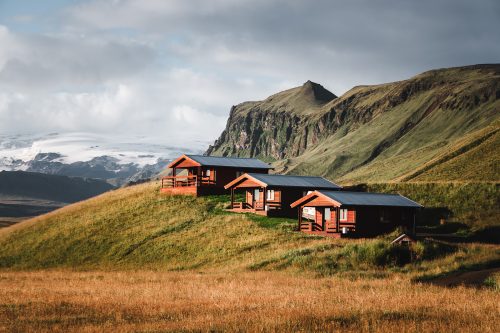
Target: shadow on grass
472,275
460,233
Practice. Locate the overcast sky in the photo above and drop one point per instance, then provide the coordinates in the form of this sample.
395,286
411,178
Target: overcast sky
169,68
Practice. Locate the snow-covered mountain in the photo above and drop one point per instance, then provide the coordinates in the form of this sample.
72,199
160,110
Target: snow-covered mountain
116,159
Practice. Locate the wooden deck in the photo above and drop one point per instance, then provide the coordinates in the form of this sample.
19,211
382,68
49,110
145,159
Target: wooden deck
273,208
310,227
185,190
324,234
188,185
248,210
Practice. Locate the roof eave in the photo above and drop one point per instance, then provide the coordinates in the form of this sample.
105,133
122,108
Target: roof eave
178,159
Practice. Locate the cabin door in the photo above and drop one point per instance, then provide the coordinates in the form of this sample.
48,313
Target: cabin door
319,219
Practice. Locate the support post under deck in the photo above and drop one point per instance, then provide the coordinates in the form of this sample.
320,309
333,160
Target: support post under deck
232,197
300,218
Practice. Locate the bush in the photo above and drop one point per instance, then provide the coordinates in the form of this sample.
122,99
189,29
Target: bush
493,282
375,254
429,250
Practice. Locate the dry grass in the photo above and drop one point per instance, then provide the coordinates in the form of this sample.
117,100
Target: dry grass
60,301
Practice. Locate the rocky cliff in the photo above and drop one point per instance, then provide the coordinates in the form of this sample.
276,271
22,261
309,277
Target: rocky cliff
275,128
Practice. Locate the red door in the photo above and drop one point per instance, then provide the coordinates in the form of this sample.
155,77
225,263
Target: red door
319,220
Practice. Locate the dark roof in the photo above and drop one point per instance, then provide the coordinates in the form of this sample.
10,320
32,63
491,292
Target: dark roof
295,181
233,162
370,199
401,237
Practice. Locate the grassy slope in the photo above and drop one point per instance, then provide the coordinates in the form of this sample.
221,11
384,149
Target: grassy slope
137,228
380,133
342,156
474,159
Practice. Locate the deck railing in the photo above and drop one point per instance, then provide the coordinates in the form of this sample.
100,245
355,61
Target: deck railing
241,205
306,226
259,205
273,205
331,227
179,181
310,226
185,181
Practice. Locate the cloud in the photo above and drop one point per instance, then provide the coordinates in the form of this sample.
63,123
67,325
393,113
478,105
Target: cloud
176,67
41,62
339,43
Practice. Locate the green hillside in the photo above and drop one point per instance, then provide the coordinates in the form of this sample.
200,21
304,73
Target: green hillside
475,158
137,228
437,126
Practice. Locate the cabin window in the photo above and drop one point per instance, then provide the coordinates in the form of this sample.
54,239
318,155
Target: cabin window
343,215
328,214
270,194
256,195
207,173
308,212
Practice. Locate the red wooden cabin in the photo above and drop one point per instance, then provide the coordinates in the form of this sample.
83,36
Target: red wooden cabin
336,213
205,175
271,195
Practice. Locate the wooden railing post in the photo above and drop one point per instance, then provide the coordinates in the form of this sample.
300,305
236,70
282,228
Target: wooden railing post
300,217
264,199
337,218
232,197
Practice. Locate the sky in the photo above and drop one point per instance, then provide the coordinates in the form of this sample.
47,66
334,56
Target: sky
170,70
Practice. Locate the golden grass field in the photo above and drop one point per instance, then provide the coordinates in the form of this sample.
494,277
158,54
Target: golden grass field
61,301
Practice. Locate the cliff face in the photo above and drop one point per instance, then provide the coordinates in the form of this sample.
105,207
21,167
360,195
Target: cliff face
274,128
371,133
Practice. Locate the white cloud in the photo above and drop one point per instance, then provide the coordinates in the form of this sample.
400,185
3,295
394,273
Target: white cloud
52,62
174,68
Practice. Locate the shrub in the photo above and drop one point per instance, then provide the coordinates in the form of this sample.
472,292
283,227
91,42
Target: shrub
493,282
375,254
429,250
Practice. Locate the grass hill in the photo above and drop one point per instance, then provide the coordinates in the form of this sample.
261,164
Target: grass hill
137,228
437,126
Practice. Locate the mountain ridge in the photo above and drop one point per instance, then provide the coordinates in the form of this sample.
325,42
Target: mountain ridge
351,136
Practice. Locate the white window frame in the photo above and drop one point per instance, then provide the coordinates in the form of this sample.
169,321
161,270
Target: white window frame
328,209
343,212
310,211
270,195
256,194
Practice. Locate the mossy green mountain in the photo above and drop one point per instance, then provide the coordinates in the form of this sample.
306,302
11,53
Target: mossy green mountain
437,126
